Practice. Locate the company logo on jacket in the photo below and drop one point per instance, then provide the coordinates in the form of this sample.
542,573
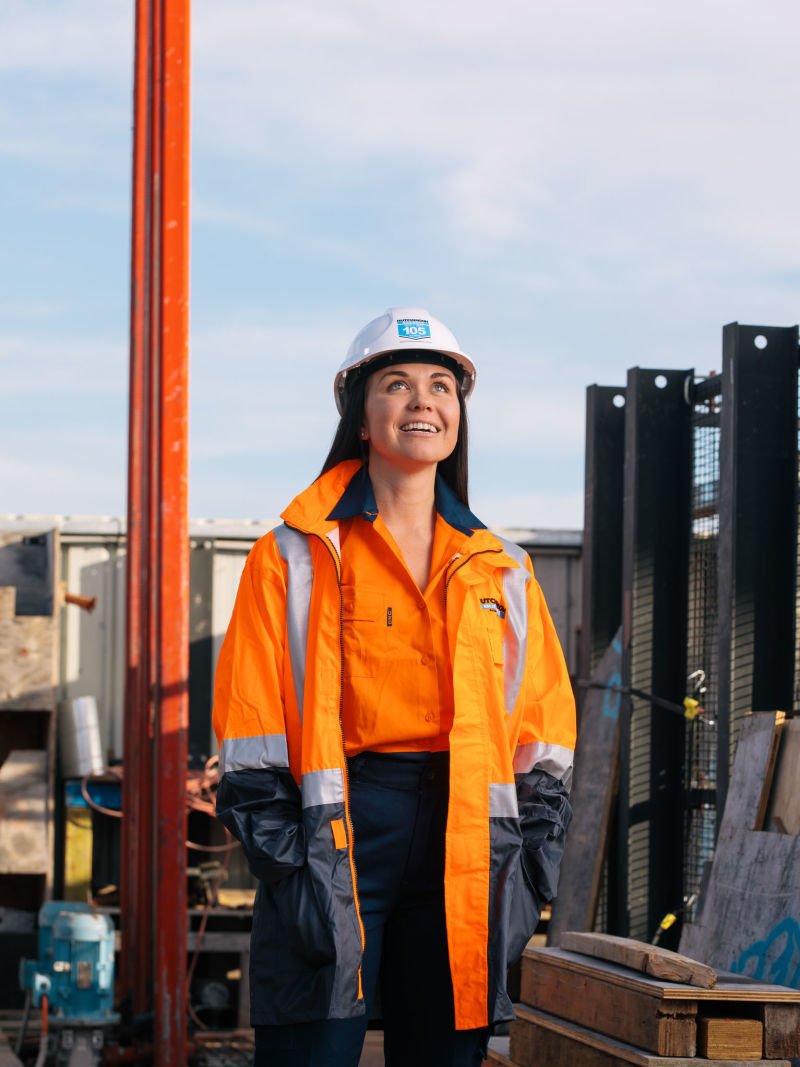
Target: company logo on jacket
488,603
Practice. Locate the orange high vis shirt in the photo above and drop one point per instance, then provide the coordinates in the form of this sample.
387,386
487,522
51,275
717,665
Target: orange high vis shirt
398,681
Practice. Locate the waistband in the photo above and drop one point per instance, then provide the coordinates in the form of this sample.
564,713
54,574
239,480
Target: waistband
401,770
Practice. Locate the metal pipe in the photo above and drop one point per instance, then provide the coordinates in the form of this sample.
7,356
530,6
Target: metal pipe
136,897
157,642
172,634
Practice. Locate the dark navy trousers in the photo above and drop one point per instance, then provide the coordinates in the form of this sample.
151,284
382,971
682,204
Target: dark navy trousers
398,804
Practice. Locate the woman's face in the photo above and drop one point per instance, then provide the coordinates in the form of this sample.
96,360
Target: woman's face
411,415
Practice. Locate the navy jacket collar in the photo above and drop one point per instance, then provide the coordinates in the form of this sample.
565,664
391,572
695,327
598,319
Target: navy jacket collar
359,499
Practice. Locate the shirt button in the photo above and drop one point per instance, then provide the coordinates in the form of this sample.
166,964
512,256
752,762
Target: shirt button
429,716
350,606
425,660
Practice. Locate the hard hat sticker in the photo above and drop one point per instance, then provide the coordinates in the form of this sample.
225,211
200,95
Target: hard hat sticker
413,329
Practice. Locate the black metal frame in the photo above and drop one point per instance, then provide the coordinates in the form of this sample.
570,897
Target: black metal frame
601,563
710,506
758,528
657,498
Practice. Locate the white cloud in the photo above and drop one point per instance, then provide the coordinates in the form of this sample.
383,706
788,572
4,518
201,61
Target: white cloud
64,482
30,364
594,186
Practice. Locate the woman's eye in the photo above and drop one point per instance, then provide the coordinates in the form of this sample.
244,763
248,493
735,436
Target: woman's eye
397,382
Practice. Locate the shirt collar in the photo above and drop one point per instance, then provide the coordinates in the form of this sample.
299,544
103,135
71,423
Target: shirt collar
359,499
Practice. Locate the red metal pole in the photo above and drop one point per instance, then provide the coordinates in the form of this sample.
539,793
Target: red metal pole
173,545
156,725
136,910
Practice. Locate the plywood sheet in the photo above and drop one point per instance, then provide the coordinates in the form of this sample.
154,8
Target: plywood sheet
729,987
750,918
594,781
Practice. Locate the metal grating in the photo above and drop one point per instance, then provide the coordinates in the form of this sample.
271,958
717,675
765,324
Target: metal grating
700,763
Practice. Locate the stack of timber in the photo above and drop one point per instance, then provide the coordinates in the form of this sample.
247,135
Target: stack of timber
610,1000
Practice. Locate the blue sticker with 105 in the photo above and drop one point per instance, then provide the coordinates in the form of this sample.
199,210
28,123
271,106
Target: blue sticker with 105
413,329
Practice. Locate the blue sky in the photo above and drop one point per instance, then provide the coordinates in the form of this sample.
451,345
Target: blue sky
574,188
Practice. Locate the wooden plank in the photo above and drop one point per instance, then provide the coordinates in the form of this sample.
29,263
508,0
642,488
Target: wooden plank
538,1039
730,1039
593,788
639,956
781,1030
750,920
783,816
729,987
638,1018
227,941
24,813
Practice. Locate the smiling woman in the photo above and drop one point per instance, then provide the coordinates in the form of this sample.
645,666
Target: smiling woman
396,729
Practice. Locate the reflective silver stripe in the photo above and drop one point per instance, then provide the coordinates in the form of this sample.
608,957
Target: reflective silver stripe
515,641
503,800
555,759
323,787
253,753
295,549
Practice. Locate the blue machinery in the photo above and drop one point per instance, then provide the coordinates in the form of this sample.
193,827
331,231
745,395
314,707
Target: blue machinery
75,973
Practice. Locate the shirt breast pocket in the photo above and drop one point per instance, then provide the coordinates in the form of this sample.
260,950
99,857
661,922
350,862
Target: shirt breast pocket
367,630
494,628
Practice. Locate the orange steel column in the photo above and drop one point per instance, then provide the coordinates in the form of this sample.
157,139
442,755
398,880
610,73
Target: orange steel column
172,632
154,914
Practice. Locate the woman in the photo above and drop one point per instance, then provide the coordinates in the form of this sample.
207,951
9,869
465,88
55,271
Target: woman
396,728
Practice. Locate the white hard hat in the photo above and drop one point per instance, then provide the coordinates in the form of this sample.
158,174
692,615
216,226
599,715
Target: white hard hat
410,329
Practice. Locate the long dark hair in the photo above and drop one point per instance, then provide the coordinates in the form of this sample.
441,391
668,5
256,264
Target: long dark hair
347,442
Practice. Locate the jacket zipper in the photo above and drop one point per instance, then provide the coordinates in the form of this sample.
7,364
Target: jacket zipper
346,777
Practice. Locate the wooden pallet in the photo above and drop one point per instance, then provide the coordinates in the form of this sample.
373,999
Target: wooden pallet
542,1040
652,1014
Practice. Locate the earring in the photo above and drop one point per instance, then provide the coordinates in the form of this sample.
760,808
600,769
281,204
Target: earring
363,435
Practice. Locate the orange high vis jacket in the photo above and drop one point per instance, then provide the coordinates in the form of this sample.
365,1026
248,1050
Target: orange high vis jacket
283,788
